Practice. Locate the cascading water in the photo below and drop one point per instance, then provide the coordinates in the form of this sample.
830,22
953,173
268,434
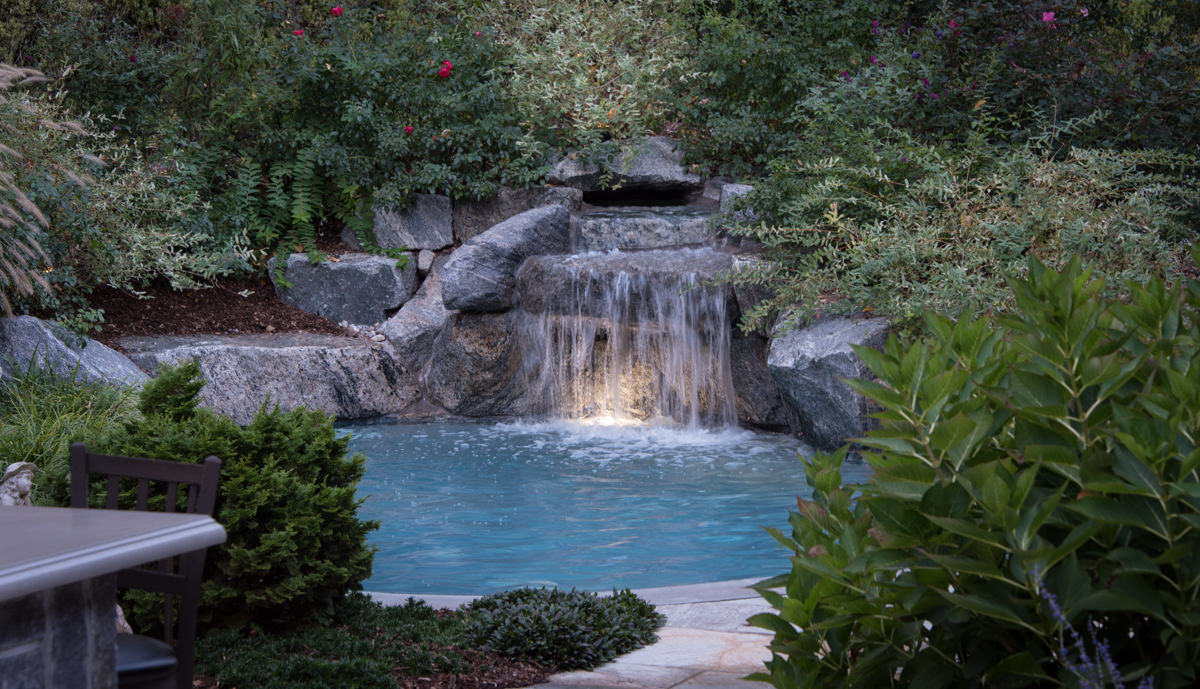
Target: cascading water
623,337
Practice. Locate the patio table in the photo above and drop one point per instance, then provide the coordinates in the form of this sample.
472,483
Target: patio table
58,586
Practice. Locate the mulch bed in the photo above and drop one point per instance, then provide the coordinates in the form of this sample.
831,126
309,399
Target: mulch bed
491,672
233,306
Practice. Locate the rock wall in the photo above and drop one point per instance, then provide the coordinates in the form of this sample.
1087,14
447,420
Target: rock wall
441,333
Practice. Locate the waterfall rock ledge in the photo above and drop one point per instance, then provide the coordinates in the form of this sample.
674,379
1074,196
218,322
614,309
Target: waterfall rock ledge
349,378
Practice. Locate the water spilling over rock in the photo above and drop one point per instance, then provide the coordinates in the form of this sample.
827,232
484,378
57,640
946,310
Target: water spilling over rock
628,336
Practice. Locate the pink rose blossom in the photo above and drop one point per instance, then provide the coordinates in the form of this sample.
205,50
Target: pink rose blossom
408,129
336,11
298,32
1048,17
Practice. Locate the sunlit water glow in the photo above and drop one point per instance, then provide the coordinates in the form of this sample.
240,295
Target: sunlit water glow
474,508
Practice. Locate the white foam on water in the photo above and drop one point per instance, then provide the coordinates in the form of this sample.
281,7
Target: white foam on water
605,440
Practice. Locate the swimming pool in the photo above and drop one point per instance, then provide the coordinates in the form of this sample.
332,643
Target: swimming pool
475,508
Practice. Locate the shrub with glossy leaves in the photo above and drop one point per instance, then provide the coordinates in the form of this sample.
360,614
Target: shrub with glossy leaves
1030,472
570,630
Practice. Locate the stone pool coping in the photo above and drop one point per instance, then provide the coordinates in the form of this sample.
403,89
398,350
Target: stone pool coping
714,592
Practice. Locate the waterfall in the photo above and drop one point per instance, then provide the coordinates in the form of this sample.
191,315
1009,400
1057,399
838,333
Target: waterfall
628,337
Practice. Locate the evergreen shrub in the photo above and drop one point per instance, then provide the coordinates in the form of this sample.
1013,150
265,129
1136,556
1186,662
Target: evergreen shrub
1034,475
368,646
570,630
286,499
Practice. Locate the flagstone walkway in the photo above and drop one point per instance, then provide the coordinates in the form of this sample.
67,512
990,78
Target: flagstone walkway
706,643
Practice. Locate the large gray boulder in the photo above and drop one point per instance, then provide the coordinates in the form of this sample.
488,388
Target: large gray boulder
25,340
733,204
750,295
427,225
472,218
357,288
413,329
651,163
757,400
480,275
476,367
349,378
628,229
809,366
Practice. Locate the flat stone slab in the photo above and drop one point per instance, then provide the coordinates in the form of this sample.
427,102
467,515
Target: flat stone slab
722,616
681,658
346,377
629,229
703,649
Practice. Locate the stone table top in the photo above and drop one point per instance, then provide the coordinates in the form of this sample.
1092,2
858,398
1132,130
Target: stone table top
45,547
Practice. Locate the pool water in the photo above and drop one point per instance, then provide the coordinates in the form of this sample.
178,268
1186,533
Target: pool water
476,508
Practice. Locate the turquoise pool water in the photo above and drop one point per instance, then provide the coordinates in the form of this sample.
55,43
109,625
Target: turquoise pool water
476,508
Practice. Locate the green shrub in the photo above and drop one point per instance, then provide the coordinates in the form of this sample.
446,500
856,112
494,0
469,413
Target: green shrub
755,61
584,73
42,413
84,208
368,646
568,630
284,119
1030,471
864,213
287,501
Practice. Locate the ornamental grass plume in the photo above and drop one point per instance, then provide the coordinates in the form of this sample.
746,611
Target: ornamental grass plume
21,221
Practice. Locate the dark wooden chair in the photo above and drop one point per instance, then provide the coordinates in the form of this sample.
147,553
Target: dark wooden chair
143,661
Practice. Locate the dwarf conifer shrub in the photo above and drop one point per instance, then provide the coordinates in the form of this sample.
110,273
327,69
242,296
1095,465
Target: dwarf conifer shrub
570,630
1034,475
286,499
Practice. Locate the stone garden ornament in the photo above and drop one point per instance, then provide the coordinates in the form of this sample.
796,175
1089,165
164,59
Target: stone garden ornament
17,484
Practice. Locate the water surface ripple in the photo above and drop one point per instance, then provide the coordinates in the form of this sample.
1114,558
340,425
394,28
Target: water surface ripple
475,508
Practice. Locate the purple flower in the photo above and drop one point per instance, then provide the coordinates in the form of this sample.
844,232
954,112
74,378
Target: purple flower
845,75
916,55
925,82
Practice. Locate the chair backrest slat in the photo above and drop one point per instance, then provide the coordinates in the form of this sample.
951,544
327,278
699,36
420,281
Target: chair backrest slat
200,483
143,494
172,496
114,490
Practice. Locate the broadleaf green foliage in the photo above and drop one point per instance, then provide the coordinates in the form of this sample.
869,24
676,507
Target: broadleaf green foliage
366,646
286,499
275,129
570,630
865,213
758,61
1050,449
